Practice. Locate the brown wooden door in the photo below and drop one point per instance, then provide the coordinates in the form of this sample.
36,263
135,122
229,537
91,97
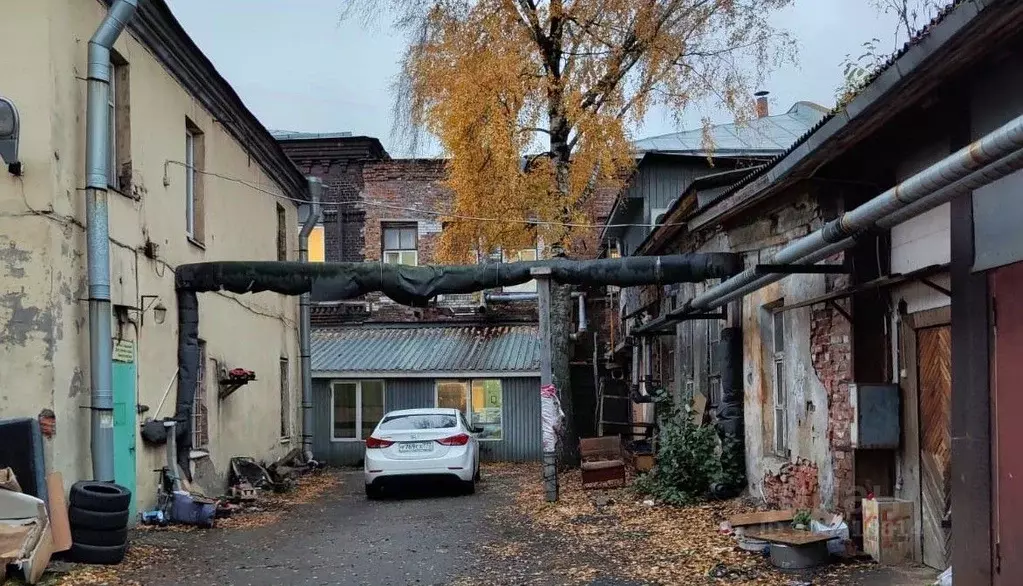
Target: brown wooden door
1007,406
934,347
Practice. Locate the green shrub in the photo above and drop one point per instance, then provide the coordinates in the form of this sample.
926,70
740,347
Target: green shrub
688,457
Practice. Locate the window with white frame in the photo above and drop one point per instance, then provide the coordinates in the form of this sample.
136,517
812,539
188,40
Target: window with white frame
195,154
357,407
781,441
400,242
522,255
480,400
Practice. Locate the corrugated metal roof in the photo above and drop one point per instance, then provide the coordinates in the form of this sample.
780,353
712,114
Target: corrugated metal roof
761,136
405,349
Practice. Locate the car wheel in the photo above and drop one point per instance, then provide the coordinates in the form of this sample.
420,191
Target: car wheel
101,497
372,492
479,475
469,486
97,554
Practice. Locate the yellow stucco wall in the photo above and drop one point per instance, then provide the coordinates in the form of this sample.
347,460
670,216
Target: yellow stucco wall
44,353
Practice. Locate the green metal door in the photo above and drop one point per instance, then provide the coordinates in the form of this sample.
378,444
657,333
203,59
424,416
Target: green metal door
125,415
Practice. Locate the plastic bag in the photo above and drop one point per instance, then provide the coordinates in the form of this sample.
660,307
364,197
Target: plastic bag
837,530
945,579
552,417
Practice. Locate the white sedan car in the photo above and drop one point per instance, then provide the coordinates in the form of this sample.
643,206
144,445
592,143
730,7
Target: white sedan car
414,443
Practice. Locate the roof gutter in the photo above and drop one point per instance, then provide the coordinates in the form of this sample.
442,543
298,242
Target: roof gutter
97,160
988,159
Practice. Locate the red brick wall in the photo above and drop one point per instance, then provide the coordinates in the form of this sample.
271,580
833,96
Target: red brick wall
796,486
404,183
831,352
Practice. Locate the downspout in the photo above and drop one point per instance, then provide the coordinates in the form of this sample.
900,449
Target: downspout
97,157
315,187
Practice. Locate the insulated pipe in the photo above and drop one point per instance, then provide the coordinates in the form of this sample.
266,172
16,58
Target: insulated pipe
978,178
995,146
97,157
304,327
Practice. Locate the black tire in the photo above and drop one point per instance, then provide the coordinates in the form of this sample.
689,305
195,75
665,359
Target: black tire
100,538
101,497
97,554
372,492
96,520
479,474
469,486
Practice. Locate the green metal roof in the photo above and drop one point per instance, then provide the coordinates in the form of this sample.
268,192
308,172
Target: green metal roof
410,350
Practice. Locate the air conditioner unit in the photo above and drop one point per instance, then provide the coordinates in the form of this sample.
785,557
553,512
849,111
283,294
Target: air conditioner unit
876,416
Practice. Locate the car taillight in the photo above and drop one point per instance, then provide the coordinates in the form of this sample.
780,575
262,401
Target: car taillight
455,440
373,442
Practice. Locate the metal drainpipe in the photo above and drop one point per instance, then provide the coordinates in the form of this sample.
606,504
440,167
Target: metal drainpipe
304,327
97,157
990,158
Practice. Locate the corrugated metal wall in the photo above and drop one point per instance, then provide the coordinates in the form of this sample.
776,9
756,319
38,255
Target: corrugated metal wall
521,411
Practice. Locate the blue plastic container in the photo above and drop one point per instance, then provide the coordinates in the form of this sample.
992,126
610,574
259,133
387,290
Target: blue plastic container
192,511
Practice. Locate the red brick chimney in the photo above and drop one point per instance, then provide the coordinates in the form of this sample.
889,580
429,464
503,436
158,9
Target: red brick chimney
762,109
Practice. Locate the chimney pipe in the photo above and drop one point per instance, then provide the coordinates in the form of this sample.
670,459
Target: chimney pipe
762,109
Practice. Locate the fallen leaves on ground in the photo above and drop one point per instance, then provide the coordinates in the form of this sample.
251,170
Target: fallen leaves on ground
631,540
138,559
272,508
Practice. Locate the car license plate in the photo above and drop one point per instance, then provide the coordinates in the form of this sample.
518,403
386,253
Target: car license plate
414,447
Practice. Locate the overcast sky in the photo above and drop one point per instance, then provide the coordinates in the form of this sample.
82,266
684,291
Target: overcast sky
298,68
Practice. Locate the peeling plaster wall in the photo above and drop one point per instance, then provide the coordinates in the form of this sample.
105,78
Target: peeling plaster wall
43,308
804,476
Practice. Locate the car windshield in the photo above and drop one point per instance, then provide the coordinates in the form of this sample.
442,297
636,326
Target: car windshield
419,421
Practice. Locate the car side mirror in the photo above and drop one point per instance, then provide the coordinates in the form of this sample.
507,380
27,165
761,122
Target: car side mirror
477,430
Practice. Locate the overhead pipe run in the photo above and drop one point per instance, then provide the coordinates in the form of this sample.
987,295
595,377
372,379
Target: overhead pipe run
986,160
305,338
97,158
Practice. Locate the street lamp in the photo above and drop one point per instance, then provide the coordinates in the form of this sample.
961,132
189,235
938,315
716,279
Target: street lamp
9,126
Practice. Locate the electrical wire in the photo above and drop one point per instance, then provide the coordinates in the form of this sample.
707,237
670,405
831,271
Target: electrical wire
381,204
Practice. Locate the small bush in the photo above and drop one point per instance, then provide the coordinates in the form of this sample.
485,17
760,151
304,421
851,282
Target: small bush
688,460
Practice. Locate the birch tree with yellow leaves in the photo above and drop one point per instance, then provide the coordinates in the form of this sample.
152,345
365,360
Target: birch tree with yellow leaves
532,102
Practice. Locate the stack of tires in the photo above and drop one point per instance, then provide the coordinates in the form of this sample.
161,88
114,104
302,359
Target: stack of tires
99,522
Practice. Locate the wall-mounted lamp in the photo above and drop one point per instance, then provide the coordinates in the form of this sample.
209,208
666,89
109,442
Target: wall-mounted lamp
9,127
159,309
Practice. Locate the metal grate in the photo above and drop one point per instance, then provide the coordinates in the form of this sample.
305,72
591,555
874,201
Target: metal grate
285,400
200,410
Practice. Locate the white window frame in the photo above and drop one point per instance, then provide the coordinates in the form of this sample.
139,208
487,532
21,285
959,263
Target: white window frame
517,256
394,256
779,392
190,183
468,401
358,406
